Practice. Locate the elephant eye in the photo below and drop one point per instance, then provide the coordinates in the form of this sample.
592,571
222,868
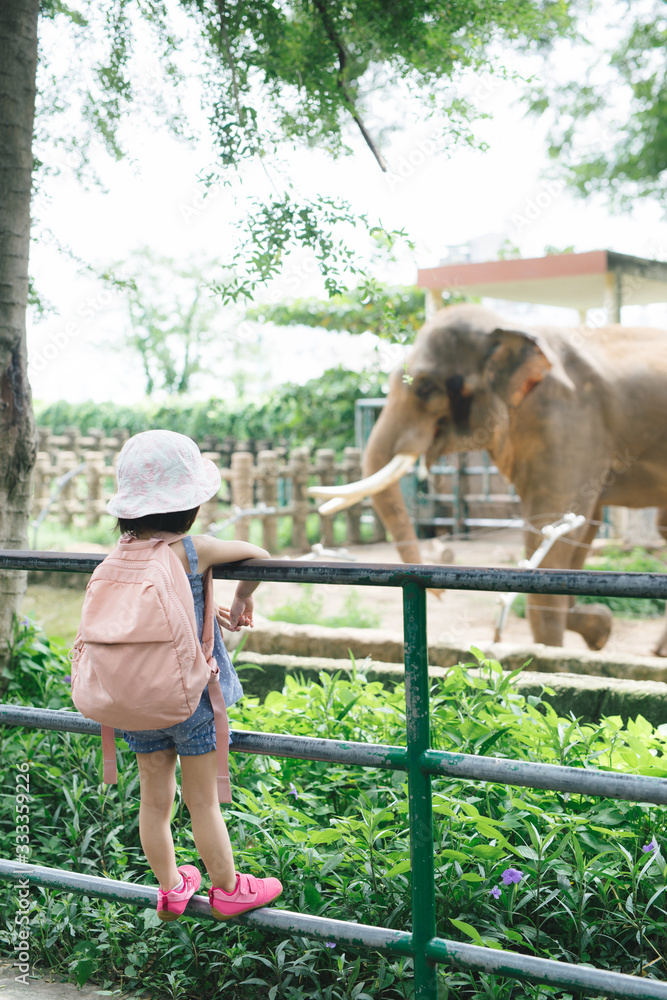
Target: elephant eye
425,388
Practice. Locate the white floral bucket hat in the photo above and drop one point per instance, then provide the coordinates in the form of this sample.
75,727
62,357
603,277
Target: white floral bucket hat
160,472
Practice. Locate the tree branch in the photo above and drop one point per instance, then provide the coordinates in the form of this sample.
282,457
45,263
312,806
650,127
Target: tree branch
224,34
320,6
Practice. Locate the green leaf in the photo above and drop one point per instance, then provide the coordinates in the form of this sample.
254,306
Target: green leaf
470,931
488,852
331,863
324,837
313,896
454,855
399,869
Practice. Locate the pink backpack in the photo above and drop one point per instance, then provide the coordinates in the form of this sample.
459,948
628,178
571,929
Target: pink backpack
137,662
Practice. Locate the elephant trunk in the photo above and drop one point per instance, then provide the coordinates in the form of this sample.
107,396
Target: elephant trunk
389,503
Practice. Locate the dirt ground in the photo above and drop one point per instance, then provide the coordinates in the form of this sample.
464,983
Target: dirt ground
460,616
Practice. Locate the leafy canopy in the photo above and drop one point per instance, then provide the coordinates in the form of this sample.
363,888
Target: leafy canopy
395,314
273,76
609,125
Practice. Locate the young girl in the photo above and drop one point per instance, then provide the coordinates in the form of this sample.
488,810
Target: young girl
162,480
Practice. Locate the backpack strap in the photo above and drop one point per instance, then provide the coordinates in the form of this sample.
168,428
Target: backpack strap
221,738
191,553
110,772
215,692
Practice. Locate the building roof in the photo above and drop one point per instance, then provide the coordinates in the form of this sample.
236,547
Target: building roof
575,280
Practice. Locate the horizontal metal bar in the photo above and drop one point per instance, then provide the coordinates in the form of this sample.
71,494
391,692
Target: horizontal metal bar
472,522
554,777
244,741
499,962
498,580
496,962
343,931
470,498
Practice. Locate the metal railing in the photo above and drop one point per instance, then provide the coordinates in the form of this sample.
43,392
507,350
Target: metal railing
421,943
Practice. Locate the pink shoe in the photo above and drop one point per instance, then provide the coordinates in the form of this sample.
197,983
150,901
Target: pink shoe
250,892
170,905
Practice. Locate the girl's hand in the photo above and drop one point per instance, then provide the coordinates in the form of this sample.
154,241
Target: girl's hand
236,617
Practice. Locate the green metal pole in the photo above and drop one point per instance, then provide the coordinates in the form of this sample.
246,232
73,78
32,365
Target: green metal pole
419,788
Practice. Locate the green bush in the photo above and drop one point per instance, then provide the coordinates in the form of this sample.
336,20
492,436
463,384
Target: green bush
319,413
616,560
590,874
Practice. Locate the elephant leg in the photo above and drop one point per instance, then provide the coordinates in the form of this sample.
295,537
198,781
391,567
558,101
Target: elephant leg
591,621
549,616
661,648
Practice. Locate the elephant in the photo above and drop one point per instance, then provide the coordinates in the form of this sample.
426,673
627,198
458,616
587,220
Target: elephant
575,418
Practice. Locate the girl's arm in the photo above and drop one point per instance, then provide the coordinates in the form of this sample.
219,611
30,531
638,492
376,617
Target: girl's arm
211,551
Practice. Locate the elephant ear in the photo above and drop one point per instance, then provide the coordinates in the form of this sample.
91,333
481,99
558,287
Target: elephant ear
517,361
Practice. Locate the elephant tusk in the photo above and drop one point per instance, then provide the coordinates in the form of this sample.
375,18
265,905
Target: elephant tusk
339,503
339,497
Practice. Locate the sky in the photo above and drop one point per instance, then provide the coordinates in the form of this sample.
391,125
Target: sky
442,197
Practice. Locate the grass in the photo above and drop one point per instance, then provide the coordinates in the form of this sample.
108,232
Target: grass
308,608
57,609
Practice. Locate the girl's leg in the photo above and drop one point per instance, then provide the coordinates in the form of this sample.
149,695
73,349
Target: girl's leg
200,793
157,779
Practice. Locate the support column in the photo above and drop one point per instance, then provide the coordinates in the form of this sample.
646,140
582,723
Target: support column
433,301
419,788
613,296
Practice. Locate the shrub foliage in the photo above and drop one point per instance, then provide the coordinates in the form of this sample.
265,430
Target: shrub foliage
545,873
319,413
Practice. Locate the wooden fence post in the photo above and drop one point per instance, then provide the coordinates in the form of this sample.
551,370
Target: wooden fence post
352,470
208,512
41,481
299,461
267,476
67,503
95,473
242,490
326,470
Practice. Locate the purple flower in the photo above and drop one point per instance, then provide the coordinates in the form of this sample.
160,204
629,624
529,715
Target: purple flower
329,944
293,791
496,892
652,846
511,875
67,679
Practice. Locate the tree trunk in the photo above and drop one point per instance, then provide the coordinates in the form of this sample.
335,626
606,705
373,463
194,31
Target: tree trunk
18,64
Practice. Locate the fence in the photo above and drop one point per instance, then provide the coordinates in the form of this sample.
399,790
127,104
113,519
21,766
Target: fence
82,468
460,491
419,761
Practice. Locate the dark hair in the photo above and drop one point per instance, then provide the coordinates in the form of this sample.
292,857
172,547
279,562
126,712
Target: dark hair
178,521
